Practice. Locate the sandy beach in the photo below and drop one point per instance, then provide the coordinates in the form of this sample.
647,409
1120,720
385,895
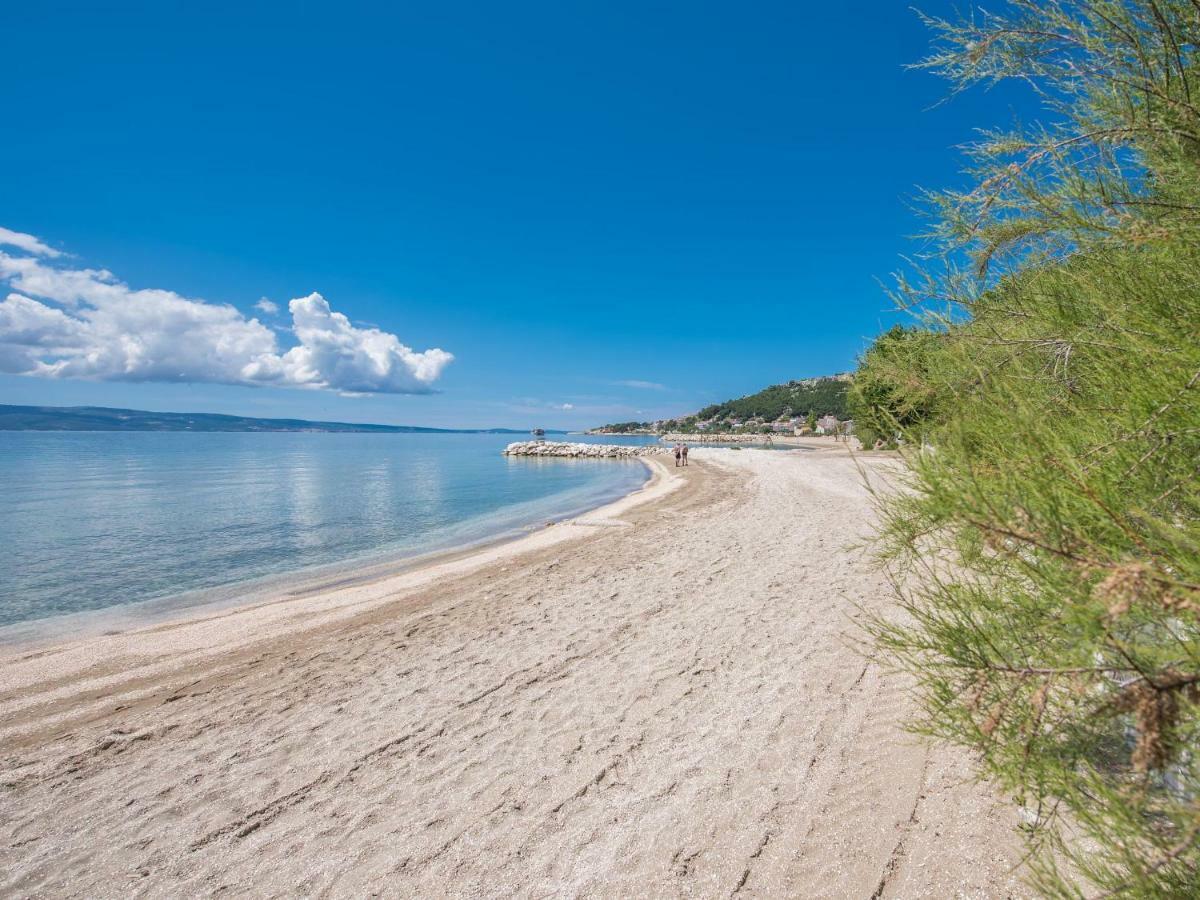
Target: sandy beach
663,698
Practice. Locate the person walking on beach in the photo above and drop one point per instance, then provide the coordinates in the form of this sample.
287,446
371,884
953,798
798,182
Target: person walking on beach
683,450
678,455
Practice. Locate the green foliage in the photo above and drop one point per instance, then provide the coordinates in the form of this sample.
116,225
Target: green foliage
892,395
1046,551
1054,531
819,396
1117,162
627,427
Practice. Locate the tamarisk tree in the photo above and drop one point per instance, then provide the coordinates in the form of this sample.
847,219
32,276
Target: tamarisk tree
1046,547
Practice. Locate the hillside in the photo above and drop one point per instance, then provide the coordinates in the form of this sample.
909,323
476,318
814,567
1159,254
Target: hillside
99,418
821,396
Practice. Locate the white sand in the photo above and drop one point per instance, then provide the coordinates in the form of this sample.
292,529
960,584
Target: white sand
661,699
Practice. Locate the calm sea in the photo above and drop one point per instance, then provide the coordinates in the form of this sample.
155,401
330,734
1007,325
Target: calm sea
101,520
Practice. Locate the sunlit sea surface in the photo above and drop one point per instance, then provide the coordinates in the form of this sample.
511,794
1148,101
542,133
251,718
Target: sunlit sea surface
110,520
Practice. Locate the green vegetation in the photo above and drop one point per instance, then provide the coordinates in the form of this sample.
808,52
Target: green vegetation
819,396
1047,552
891,394
812,397
627,427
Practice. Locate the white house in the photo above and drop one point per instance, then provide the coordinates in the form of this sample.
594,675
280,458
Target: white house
827,425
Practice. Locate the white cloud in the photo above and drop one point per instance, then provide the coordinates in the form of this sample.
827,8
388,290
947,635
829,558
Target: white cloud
101,329
26,242
641,385
30,328
334,354
532,406
266,306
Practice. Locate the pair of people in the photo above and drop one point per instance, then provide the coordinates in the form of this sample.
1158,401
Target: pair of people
681,454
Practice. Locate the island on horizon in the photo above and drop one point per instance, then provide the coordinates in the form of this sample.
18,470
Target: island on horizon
102,418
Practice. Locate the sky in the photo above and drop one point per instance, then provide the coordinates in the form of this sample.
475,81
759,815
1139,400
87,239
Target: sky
458,214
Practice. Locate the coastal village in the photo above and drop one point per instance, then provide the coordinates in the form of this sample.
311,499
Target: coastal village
792,425
812,406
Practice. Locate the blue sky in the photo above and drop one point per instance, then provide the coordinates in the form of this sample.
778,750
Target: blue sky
602,211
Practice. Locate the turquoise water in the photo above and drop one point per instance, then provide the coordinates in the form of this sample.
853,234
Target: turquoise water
99,520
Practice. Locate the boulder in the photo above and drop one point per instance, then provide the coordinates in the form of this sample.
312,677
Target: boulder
566,449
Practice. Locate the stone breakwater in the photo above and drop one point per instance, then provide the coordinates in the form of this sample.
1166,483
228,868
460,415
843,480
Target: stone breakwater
581,451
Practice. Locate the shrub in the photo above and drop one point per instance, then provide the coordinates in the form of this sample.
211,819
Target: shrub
1047,550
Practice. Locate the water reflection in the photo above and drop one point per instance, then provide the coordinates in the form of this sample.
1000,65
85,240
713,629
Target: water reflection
99,519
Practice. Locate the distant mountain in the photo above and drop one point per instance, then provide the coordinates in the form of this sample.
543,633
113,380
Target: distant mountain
100,418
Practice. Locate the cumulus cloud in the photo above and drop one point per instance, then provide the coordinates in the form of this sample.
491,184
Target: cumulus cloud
334,354
266,306
30,328
26,242
85,323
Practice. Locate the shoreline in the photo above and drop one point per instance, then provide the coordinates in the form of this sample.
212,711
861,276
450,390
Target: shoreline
716,440
657,698
202,628
20,637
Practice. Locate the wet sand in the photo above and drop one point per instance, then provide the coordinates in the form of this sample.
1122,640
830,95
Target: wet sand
662,698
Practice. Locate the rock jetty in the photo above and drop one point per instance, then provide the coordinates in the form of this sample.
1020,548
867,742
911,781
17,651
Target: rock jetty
582,451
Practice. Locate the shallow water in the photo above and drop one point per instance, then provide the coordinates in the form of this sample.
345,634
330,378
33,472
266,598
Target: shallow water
96,520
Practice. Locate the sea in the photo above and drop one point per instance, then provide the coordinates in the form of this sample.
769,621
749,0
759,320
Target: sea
120,526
